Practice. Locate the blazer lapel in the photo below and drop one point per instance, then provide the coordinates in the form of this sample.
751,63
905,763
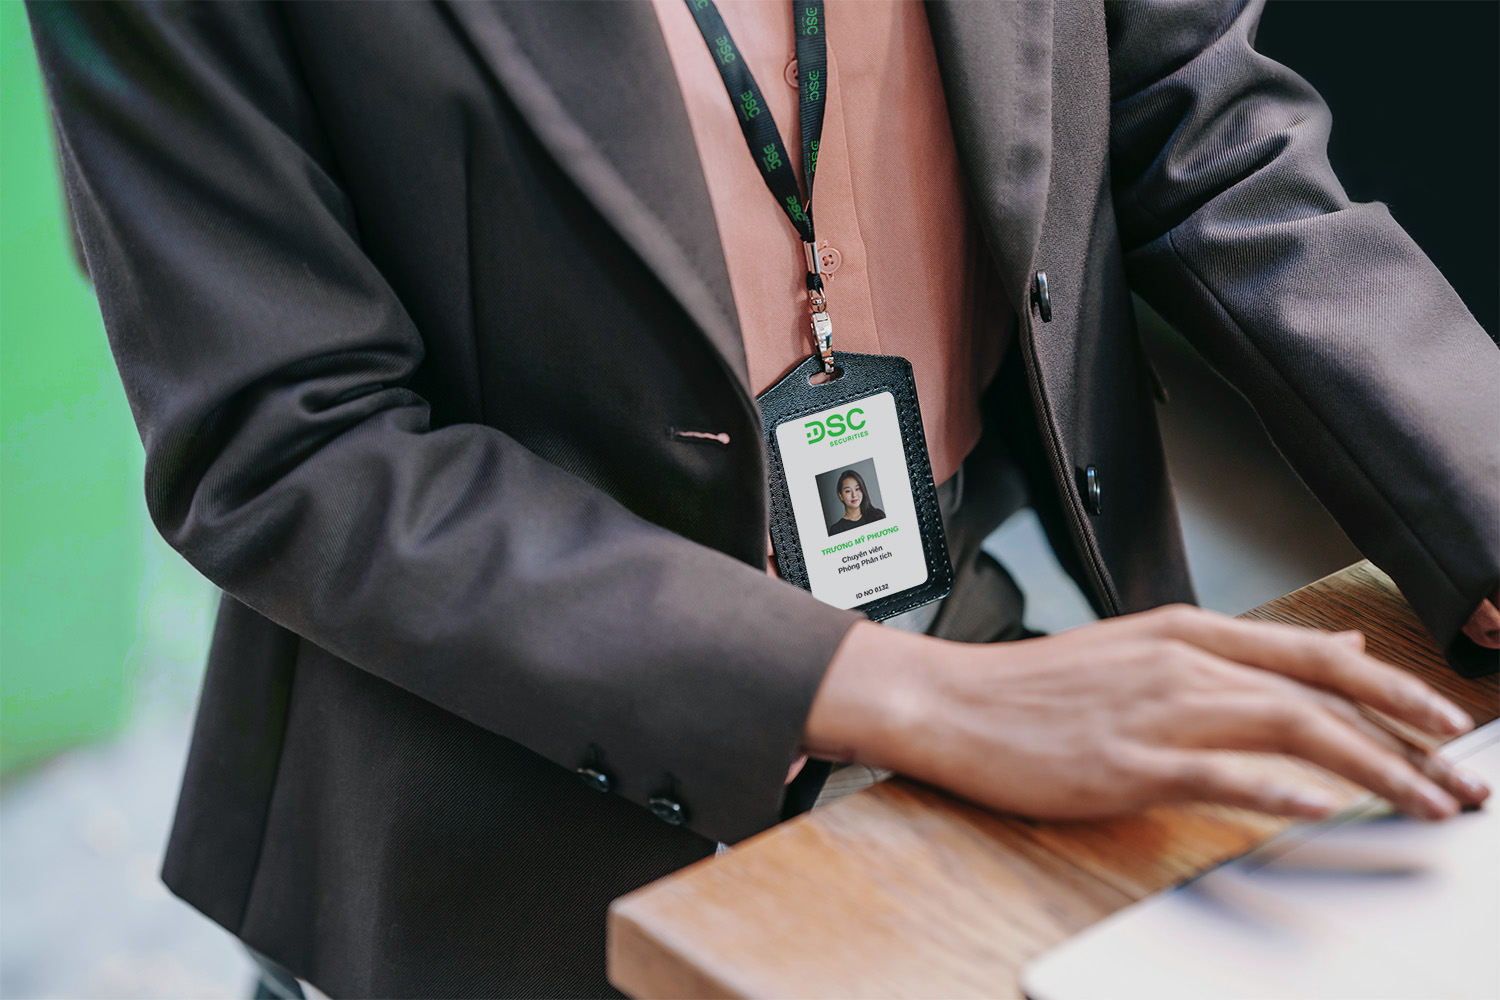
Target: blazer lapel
996,64
596,85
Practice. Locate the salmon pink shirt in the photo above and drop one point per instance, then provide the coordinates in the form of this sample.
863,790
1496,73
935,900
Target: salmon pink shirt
900,250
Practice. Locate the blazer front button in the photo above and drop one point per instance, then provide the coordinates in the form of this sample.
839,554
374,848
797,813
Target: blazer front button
1091,489
668,810
1041,296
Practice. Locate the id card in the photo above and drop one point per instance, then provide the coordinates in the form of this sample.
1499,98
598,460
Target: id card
854,512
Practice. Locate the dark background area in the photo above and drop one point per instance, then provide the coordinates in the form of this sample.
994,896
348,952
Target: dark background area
1414,87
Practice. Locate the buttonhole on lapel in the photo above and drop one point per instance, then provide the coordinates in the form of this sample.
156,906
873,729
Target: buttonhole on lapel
823,378
707,437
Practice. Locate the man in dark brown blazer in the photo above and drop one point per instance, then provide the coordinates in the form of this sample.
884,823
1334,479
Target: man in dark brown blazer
408,299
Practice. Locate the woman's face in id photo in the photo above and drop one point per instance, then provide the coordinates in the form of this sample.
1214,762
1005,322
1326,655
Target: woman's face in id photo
851,494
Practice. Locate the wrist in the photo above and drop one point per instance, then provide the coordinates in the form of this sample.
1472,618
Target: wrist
876,698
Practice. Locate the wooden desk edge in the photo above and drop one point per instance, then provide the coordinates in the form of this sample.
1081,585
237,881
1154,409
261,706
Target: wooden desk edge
641,964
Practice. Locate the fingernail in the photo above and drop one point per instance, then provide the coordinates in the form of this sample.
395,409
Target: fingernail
1312,805
1439,805
1473,789
1455,718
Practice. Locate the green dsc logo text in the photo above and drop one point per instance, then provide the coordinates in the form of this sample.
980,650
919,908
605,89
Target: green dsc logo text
836,425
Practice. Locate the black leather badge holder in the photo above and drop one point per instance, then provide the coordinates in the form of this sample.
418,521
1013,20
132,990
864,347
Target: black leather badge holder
854,512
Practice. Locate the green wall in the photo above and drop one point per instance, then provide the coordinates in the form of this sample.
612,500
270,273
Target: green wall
72,525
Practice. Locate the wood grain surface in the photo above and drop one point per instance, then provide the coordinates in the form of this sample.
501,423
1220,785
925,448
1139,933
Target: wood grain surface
902,890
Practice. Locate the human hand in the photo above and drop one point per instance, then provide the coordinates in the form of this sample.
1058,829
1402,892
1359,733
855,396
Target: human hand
1483,626
1113,716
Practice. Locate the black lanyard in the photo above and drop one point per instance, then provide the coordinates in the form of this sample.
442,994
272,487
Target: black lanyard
764,139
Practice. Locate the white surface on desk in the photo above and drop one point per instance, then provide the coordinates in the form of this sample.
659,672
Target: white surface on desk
1418,915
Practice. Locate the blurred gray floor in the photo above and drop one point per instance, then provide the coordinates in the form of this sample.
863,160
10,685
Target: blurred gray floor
82,913
82,910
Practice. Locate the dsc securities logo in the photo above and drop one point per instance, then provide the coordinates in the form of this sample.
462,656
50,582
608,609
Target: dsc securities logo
835,426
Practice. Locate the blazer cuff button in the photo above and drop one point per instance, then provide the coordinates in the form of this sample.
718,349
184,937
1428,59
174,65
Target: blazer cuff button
667,810
599,781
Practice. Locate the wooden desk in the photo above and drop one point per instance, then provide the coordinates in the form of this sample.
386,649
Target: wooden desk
901,890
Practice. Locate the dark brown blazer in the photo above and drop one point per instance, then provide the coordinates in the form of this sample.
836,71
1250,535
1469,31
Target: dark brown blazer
409,299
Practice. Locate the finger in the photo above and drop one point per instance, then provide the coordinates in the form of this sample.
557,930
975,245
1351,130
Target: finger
1483,626
1462,784
1204,776
1328,660
1302,727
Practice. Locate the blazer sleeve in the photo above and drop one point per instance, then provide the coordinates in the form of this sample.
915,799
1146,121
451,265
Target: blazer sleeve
1369,373
267,365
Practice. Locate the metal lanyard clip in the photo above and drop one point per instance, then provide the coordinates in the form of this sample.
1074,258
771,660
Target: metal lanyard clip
822,325
822,328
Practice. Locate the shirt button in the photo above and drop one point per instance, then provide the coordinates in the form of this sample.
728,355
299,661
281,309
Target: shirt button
791,74
668,810
829,260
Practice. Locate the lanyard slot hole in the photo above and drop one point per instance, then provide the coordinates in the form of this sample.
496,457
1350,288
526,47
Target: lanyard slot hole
823,378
